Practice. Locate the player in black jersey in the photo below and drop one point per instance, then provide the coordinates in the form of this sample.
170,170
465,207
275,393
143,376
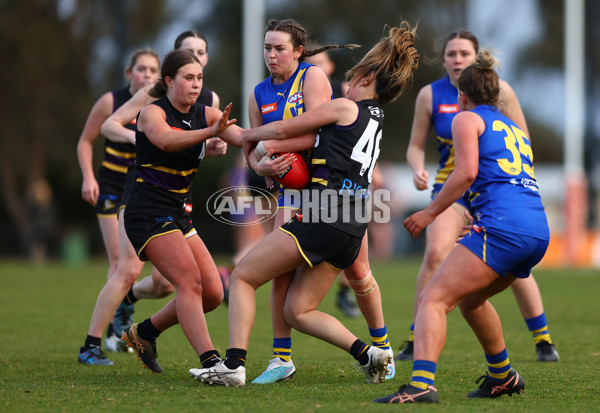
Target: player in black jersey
347,148
122,293
105,193
170,144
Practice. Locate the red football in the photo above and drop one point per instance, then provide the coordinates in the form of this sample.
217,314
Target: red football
297,175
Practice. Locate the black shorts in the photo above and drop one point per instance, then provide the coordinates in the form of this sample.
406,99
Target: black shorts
112,191
129,181
141,227
318,242
109,200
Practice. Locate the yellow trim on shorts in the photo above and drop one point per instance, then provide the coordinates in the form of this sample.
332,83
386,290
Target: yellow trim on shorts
318,162
126,155
298,246
107,215
152,237
484,245
115,167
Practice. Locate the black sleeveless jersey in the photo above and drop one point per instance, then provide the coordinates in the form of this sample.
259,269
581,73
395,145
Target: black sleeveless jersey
171,172
205,97
342,163
336,88
118,157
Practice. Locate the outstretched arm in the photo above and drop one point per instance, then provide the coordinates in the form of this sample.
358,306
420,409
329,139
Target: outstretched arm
114,127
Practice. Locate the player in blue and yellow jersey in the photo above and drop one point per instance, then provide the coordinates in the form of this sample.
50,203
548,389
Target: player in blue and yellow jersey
105,193
348,144
436,106
293,88
510,234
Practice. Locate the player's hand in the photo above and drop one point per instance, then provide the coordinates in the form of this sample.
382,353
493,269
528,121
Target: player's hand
467,227
417,221
268,167
420,180
90,191
216,147
224,122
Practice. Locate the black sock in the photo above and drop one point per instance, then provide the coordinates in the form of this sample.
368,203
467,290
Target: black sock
235,357
130,297
209,359
359,352
147,331
110,331
90,342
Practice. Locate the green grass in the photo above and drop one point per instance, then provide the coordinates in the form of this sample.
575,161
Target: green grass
45,313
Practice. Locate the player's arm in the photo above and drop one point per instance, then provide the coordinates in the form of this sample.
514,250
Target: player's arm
100,111
153,122
509,105
114,127
338,111
415,154
466,129
316,91
233,133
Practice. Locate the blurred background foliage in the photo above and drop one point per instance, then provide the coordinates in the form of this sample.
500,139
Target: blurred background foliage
59,56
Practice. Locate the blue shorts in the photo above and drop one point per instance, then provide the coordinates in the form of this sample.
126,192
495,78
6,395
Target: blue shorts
506,253
463,200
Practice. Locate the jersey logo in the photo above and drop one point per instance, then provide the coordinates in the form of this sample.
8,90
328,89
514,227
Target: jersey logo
271,107
187,122
296,97
446,108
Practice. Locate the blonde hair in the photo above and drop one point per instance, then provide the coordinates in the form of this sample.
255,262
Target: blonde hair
392,60
479,81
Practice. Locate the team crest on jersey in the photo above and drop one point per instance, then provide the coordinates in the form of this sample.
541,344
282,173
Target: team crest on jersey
271,107
447,108
296,97
174,128
375,111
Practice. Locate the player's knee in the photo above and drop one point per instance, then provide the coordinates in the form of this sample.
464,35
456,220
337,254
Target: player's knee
435,255
363,286
163,288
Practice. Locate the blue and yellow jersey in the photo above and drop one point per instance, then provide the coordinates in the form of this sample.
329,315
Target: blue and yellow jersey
284,101
505,195
445,107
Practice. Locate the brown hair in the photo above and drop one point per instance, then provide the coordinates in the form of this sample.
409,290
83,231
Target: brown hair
300,37
461,34
185,35
141,52
170,65
479,81
392,60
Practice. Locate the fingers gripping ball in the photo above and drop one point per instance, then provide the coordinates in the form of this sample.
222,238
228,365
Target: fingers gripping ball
297,175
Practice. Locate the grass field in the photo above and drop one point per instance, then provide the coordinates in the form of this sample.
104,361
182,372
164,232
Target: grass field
45,313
